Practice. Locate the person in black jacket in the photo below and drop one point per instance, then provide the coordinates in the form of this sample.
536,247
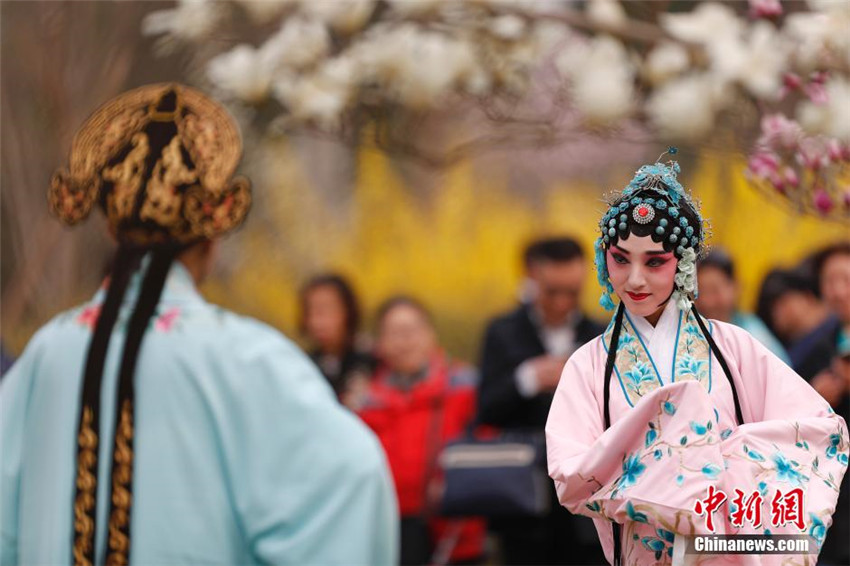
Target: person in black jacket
523,354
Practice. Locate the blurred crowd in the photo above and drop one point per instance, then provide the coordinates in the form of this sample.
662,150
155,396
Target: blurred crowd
418,399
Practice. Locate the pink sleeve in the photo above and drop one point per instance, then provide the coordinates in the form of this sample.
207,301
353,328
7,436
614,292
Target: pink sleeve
649,467
791,439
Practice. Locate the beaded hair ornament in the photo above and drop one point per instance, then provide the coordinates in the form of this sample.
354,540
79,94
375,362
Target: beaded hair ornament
655,203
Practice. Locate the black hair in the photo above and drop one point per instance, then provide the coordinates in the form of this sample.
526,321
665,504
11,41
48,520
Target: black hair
346,294
821,257
777,283
719,259
402,301
675,227
560,249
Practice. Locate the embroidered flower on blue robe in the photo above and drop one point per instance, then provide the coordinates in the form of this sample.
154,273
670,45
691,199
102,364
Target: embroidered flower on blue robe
632,469
785,471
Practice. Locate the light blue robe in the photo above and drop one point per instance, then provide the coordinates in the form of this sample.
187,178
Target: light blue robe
242,453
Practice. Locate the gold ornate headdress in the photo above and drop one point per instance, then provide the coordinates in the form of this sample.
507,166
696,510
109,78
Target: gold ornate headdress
159,161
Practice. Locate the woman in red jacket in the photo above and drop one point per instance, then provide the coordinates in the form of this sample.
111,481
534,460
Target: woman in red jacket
417,401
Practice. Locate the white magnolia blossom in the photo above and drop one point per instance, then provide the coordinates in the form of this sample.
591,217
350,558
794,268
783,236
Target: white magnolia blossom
608,13
345,16
243,73
248,73
705,24
508,26
832,118
665,61
825,30
317,98
756,61
190,20
299,43
601,79
685,108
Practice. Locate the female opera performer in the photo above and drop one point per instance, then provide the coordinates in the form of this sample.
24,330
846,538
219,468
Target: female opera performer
669,425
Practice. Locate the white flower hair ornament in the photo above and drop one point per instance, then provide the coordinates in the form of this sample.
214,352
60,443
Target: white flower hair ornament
655,204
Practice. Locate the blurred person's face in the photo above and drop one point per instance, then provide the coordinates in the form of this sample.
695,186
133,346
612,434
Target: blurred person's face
789,312
641,273
558,288
835,285
325,318
406,340
718,294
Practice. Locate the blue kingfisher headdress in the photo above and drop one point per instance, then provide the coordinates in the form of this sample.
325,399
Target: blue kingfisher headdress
655,204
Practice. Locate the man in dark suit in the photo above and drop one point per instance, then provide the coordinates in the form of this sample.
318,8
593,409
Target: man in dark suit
523,355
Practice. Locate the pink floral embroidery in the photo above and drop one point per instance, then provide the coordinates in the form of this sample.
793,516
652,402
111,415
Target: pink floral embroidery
167,319
89,316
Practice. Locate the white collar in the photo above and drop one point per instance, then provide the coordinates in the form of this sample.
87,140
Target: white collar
667,322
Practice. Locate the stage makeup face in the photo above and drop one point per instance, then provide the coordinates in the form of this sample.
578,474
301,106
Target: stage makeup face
642,274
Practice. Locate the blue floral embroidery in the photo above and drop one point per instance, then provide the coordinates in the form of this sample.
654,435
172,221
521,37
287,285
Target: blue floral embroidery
711,470
679,479
635,515
832,449
698,428
669,408
666,535
640,373
817,530
651,435
689,365
632,469
785,471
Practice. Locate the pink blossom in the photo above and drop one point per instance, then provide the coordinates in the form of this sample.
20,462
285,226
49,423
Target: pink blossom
791,177
764,164
834,150
822,201
765,8
166,320
812,154
779,132
816,93
89,316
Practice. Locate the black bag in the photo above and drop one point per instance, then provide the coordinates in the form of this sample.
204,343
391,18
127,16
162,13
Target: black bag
501,476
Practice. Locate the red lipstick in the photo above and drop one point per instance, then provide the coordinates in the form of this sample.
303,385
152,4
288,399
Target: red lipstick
638,296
